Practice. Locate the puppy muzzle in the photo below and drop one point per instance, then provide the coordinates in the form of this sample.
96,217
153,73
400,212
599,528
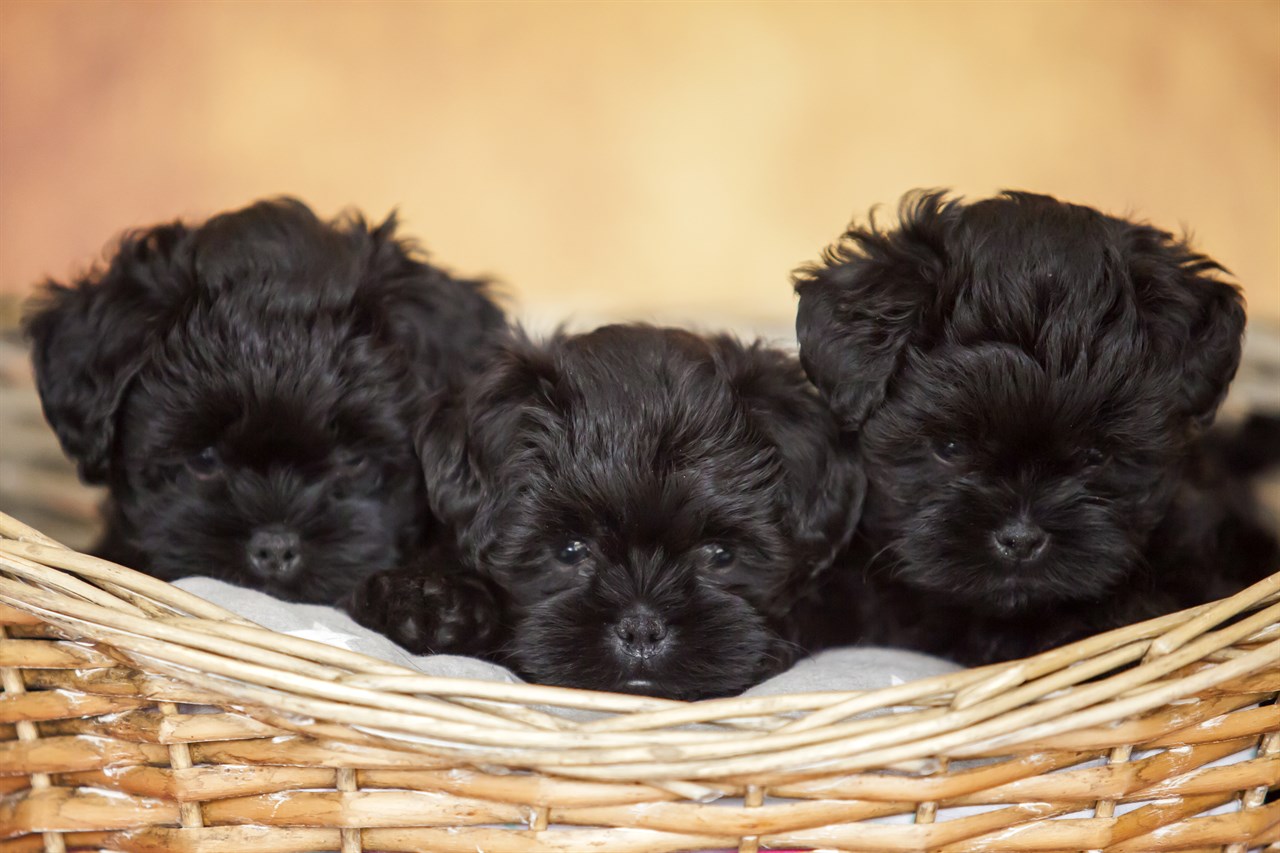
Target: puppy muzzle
274,553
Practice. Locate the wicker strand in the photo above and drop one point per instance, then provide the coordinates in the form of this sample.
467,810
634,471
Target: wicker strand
180,759
346,782
1106,808
927,811
753,798
1253,798
11,681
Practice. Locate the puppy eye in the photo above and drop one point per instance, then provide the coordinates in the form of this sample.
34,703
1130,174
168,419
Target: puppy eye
1094,457
353,466
719,557
572,553
948,449
206,464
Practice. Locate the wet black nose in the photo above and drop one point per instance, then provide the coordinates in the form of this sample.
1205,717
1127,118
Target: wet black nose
642,633
275,552
1020,540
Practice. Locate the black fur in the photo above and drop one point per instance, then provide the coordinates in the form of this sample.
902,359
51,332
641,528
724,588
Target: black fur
1029,380
247,390
645,504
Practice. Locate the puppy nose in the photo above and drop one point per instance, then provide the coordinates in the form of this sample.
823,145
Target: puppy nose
642,633
275,552
1020,540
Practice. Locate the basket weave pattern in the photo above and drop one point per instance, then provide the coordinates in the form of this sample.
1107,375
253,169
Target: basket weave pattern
138,717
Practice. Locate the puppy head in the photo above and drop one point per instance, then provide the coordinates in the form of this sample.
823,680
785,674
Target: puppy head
245,389
1026,376
651,501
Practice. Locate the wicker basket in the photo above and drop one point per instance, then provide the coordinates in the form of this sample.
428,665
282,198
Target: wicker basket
138,717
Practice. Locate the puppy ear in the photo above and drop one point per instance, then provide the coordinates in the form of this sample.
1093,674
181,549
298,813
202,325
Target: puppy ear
824,484
1195,316
453,484
863,303
471,433
445,326
90,338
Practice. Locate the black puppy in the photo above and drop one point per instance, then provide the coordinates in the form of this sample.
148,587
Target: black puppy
247,390
1028,380
644,506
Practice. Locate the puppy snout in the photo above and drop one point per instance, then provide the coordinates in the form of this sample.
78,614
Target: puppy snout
1020,540
642,633
275,552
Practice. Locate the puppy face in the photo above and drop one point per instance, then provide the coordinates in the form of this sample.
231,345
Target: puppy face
1026,376
289,468
246,390
1005,485
651,502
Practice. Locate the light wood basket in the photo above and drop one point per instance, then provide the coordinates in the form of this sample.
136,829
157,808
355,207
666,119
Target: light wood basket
139,717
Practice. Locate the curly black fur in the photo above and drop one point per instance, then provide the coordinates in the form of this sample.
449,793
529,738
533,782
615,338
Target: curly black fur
1029,380
646,504
247,391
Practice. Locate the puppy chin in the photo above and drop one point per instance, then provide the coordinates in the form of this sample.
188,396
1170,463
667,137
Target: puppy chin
716,645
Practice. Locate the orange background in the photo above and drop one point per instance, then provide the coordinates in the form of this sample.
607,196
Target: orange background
660,160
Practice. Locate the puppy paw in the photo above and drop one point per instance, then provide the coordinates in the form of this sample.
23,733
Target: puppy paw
429,613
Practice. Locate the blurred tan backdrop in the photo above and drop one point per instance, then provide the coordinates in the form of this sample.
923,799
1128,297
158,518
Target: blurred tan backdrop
665,161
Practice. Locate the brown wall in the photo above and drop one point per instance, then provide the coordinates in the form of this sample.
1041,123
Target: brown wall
659,160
